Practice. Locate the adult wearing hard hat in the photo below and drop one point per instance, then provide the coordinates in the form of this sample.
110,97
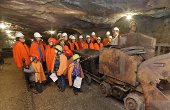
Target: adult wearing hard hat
36,72
116,36
65,36
37,47
66,40
93,37
59,36
98,44
88,44
60,67
80,42
50,53
75,70
106,39
20,51
67,52
74,44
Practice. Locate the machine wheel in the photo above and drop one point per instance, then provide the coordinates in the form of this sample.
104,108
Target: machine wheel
105,89
88,79
133,101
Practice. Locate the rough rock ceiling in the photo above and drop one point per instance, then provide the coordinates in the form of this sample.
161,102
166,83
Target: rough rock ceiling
45,14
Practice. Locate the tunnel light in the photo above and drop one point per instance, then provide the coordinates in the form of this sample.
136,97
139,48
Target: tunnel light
51,32
129,17
3,26
9,35
8,31
12,37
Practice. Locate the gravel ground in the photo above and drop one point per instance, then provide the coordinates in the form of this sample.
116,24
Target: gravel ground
14,96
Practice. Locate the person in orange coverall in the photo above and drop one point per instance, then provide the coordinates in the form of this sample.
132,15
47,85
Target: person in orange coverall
37,48
98,44
74,44
88,44
80,42
50,53
20,51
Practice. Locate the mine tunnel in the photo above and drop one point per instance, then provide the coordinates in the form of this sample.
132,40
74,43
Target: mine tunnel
84,54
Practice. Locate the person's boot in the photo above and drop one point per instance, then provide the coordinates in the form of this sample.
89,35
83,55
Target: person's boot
75,91
80,90
39,87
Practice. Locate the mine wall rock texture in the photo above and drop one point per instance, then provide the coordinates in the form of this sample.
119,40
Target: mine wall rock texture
40,15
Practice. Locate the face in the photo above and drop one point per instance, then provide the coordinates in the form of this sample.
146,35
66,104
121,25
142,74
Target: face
65,38
115,32
73,40
78,60
33,58
38,38
107,35
50,43
98,40
110,39
88,39
62,43
80,39
22,39
56,51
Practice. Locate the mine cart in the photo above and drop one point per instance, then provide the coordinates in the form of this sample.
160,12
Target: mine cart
90,64
130,72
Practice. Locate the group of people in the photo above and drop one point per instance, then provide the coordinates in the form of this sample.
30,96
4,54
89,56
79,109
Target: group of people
41,60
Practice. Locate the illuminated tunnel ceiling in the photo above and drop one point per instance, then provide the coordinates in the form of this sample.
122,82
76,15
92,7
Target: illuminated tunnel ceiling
39,15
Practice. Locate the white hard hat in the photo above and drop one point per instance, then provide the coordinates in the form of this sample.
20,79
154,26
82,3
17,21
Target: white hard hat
64,34
87,36
98,38
93,33
19,34
108,33
70,36
116,29
36,34
80,37
73,38
58,34
110,37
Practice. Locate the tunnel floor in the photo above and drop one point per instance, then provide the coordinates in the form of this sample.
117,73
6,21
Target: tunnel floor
14,95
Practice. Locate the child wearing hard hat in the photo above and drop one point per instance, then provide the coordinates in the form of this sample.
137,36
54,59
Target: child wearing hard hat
74,71
60,67
37,71
98,44
20,51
